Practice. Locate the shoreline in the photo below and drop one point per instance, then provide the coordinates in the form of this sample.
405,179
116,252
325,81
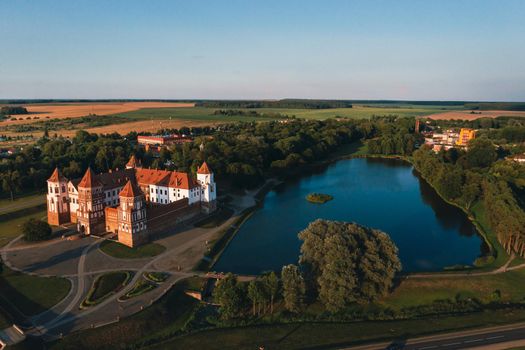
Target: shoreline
272,183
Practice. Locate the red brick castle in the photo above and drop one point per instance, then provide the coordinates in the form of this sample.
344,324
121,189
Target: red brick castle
131,202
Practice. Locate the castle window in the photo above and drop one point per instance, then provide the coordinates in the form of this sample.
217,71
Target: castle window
63,189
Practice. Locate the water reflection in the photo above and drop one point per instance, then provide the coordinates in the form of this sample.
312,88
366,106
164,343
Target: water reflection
380,193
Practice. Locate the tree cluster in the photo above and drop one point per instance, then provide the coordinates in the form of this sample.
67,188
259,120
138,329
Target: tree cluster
36,230
346,263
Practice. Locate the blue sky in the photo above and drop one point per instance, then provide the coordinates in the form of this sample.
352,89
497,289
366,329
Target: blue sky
431,50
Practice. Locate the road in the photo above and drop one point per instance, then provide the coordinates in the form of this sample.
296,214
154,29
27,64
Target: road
501,337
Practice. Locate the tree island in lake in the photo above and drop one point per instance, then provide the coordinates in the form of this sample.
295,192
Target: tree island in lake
318,198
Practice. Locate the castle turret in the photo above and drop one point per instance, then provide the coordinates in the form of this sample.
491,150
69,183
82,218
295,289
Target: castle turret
90,214
208,188
57,199
132,223
132,163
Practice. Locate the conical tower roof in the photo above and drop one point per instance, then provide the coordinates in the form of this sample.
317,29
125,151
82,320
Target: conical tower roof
57,176
132,163
204,169
130,190
89,179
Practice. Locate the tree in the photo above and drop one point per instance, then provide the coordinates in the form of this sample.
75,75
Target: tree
229,295
347,262
481,153
36,230
11,182
257,294
294,288
272,286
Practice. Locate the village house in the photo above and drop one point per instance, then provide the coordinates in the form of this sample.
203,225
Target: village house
450,139
132,202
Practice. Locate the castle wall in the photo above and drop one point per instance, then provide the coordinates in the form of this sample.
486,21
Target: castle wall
111,219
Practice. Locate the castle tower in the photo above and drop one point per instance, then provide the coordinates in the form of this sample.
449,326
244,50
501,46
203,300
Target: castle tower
208,188
57,199
90,214
132,223
133,163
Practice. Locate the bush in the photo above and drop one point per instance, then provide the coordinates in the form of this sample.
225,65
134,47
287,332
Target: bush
36,230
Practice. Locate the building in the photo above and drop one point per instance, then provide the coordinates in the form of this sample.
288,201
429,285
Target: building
129,202
449,139
465,135
156,142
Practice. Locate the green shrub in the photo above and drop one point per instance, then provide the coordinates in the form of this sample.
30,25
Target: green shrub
36,230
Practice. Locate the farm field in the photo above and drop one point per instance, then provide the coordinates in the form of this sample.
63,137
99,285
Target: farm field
467,115
151,116
66,110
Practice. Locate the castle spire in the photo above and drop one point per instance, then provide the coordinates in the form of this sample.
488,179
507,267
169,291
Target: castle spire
89,179
57,176
132,163
204,169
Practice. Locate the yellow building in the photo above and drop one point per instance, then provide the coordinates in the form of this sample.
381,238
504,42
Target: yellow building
465,135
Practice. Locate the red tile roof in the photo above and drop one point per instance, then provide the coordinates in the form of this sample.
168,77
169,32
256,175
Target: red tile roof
152,177
57,176
89,180
204,169
130,190
132,163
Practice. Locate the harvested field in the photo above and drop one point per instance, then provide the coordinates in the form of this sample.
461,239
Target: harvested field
467,115
65,110
145,125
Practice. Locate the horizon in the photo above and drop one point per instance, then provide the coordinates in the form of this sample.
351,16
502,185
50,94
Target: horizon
233,50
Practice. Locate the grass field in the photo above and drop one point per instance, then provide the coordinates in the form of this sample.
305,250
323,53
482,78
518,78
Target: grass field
106,285
11,229
120,251
9,206
206,114
30,294
333,335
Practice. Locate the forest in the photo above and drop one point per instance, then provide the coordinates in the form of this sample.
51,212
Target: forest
285,103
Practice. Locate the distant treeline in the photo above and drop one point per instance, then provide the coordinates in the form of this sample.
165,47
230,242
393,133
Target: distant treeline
240,112
503,106
10,110
286,103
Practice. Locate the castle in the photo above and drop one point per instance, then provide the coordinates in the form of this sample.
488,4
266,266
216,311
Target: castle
131,202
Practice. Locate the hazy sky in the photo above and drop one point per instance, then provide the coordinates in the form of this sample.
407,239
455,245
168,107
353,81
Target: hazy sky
432,50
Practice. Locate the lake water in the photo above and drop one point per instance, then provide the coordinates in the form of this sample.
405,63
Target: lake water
386,194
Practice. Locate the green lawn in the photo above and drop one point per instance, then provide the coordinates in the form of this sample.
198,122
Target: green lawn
13,228
336,335
358,111
121,251
106,285
141,287
414,292
5,319
30,294
9,206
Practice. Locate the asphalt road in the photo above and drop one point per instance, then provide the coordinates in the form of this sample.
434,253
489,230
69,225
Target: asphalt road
487,338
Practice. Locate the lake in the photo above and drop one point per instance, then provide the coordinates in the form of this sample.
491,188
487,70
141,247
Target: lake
386,194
